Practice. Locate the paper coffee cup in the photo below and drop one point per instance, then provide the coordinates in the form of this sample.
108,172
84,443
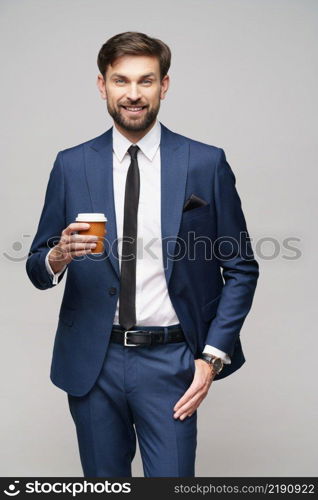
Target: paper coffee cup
97,223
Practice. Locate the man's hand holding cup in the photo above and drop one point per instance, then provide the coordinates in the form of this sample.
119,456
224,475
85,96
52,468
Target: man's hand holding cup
77,239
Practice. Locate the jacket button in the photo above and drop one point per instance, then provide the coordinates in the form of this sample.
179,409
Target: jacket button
112,291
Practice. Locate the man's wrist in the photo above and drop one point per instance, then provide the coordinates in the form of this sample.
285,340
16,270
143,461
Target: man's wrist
215,363
55,261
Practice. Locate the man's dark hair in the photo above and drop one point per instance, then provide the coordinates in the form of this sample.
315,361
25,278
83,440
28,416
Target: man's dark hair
133,43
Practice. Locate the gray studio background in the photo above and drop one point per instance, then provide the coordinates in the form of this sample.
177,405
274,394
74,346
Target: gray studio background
243,78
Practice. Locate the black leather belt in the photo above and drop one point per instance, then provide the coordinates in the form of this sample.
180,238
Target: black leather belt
144,336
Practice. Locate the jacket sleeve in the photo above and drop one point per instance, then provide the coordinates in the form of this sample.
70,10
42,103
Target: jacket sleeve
235,255
50,227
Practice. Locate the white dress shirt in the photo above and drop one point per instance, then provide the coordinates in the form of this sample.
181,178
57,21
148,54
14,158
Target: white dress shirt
153,304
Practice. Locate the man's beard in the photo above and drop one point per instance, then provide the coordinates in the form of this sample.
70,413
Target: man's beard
134,125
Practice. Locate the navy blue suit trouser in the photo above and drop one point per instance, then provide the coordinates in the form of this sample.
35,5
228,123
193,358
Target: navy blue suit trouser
134,395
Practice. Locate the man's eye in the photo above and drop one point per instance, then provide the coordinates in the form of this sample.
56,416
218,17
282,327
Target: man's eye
119,80
147,81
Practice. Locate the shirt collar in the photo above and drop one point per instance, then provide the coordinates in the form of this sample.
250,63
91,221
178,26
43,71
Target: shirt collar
148,144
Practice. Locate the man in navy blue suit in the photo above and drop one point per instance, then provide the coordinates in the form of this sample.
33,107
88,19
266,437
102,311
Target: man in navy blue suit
145,327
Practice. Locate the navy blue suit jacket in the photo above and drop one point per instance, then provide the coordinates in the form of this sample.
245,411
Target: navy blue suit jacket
209,265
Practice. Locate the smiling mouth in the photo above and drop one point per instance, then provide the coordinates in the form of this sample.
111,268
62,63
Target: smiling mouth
134,109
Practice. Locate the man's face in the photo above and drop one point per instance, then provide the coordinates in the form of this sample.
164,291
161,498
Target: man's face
133,91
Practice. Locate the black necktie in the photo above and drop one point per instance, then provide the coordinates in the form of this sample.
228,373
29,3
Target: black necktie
127,295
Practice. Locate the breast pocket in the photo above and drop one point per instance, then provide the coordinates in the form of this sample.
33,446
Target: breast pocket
195,213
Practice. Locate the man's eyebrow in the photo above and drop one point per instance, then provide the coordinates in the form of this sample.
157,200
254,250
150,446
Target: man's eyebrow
149,74
117,75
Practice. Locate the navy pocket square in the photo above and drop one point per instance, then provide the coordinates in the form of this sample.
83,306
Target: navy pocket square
194,202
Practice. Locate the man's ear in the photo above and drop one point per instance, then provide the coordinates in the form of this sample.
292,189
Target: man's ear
164,86
101,86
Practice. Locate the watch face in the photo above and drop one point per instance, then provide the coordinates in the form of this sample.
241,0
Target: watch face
218,364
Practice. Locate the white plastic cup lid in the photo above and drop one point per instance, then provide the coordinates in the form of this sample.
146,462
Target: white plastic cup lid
94,217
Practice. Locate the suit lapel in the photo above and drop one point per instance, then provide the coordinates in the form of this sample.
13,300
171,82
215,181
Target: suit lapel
99,175
174,153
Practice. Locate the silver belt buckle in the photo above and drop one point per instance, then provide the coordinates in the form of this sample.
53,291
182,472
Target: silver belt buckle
126,340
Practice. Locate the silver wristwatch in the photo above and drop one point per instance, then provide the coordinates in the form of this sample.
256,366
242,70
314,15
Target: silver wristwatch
214,362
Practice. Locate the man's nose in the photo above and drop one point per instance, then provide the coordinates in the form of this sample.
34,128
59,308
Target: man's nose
133,93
